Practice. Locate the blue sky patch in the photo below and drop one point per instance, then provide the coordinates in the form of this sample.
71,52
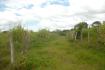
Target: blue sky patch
57,2
60,2
31,23
2,7
44,4
17,14
29,6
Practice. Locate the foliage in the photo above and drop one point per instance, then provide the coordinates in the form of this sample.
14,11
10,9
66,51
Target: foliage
79,29
56,50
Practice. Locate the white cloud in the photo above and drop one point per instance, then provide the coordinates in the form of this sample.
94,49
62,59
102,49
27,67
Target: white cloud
27,1
87,10
91,4
7,15
55,16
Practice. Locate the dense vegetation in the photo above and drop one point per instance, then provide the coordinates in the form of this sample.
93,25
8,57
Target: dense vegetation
81,48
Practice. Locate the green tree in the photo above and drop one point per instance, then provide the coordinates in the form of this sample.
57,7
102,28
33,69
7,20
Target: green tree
79,29
96,25
20,38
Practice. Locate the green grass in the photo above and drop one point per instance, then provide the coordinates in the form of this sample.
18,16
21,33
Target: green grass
52,51
55,54
60,54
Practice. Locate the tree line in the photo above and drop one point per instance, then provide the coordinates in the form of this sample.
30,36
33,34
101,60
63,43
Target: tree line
20,40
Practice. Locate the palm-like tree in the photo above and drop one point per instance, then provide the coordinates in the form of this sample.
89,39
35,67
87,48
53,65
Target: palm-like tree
79,29
96,25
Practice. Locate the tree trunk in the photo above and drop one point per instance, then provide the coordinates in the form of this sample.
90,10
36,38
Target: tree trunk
81,35
76,36
73,34
88,35
11,47
26,41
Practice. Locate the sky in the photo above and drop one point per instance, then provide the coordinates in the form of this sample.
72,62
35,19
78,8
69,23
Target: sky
50,14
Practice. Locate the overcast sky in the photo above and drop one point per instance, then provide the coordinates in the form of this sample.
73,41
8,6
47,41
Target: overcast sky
51,14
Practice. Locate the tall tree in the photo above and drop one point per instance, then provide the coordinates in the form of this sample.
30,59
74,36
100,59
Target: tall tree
79,29
96,25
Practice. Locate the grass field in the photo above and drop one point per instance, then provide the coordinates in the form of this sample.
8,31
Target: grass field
60,54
